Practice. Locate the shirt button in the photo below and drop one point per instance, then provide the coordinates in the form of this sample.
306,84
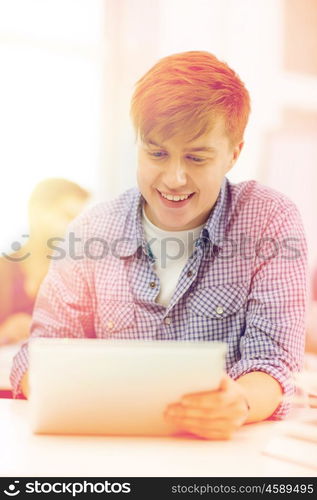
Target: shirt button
219,310
189,274
110,324
152,284
168,320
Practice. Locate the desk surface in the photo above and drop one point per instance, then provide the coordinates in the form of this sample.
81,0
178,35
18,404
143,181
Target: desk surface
25,454
7,354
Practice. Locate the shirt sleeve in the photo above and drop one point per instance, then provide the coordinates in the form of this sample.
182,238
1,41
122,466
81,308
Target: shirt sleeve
274,338
63,306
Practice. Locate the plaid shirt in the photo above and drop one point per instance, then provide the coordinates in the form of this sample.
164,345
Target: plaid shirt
245,283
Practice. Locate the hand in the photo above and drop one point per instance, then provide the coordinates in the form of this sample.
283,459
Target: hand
213,414
15,328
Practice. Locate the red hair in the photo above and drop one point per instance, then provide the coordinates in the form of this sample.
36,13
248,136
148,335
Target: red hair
185,93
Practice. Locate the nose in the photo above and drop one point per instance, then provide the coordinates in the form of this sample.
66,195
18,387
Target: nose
175,175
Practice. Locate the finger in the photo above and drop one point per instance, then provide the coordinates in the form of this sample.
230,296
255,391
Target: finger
203,400
217,425
209,399
224,385
180,411
232,411
232,420
224,394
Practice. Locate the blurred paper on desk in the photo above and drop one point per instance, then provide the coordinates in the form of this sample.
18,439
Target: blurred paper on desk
297,440
293,450
306,383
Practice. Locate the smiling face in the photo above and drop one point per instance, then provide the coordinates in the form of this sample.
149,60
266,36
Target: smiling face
180,180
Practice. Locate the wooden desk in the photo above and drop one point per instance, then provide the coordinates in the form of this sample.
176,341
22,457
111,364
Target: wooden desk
25,454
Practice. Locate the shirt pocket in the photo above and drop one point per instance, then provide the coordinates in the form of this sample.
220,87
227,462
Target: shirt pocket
217,313
116,319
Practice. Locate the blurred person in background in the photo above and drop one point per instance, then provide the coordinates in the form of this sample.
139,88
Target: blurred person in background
53,204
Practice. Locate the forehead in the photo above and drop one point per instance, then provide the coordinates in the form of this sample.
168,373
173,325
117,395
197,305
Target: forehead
211,140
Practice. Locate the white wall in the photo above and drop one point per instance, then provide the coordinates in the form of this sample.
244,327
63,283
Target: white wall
50,94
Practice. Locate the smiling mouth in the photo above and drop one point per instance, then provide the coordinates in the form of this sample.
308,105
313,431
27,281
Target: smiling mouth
175,197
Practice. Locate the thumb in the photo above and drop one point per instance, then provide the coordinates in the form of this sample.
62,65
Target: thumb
224,383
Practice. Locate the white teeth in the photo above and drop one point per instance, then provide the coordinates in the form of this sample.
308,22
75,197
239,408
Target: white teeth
170,197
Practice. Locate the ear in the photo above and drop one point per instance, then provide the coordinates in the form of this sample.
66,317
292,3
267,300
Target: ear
236,150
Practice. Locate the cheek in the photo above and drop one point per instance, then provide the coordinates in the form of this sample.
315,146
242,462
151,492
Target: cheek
209,184
145,175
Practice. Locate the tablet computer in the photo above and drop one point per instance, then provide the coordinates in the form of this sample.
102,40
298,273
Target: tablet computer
116,387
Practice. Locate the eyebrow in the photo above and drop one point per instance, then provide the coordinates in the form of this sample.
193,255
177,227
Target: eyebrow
197,148
201,148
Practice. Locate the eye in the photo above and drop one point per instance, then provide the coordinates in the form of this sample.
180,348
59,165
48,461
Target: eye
196,159
157,154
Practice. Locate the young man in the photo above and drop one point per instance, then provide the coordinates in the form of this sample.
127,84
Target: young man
169,261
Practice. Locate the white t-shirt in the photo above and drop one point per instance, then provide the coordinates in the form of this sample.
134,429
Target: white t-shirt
171,250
